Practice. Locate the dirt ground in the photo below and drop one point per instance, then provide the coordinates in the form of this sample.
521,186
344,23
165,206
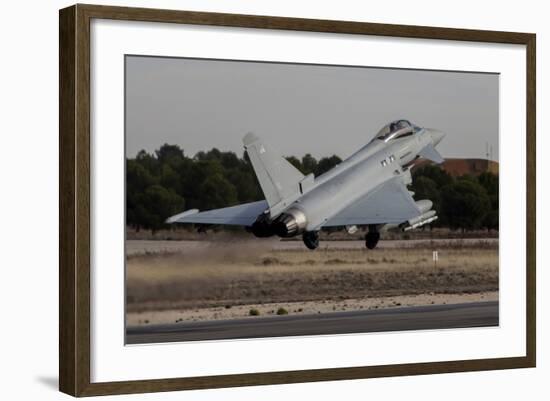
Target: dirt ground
301,308
194,280
188,233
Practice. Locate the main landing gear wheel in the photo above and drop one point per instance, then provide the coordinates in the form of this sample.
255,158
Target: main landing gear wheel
372,237
311,239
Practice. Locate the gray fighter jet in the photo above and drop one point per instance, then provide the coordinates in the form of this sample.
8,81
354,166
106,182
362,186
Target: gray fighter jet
368,189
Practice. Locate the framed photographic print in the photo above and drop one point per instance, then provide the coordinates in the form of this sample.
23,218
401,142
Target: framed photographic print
251,200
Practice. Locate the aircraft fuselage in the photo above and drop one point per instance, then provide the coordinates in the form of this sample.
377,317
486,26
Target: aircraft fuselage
354,178
369,189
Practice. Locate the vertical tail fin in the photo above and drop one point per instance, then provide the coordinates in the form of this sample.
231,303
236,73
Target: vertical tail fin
278,178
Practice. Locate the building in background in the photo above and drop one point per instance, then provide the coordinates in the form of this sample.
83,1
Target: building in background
458,167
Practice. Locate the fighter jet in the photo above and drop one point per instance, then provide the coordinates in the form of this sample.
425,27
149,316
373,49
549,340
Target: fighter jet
368,189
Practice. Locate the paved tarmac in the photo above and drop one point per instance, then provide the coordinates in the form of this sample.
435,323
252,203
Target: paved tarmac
474,314
137,247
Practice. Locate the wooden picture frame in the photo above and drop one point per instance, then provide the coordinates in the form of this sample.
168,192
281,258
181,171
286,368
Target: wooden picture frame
74,203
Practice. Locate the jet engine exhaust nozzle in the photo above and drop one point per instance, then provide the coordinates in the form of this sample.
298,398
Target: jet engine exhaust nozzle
261,228
290,223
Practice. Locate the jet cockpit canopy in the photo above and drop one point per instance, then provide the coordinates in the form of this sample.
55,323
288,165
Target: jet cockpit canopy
396,129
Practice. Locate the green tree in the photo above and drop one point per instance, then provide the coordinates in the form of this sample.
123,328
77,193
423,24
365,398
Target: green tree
197,173
216,192
491,220
212,154
489,181
426,188
326,164
229,160
246,185
169,178
171,155
155,205
149,162
309,164
465,204
435,173
295,162
138,178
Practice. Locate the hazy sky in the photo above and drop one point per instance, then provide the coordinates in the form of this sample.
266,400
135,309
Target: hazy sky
322,110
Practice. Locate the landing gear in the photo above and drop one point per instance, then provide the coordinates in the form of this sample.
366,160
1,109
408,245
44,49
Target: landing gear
372,237
311,239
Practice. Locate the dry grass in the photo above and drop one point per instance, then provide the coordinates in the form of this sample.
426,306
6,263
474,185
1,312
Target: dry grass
189,233
253,273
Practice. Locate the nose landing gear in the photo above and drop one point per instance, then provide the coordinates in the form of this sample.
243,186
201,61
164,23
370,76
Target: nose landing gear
372,237
311,239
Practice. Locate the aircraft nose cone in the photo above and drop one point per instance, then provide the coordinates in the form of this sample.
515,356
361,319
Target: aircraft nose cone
437,136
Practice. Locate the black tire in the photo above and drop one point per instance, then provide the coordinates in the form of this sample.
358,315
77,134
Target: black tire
371,239
311,239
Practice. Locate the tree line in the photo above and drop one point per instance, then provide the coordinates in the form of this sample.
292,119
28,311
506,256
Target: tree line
467,202
166,182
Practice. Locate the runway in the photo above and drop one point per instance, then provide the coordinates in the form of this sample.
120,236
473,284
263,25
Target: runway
474,314
140,247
